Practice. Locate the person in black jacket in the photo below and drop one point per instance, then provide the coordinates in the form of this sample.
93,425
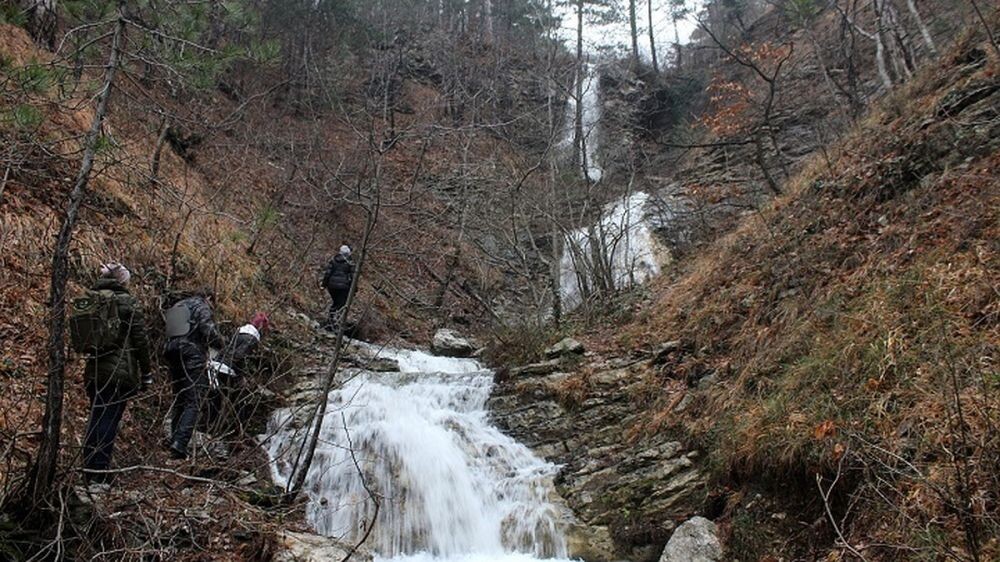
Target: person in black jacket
114,375
337,279
230,371
191,332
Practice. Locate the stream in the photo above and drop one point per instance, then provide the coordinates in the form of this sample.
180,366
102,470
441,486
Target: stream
452,487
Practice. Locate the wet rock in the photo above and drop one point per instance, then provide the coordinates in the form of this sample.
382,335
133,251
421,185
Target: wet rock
448,343
695,541
303,319
609,481
566,347
382,365
589,543
307,547
537,369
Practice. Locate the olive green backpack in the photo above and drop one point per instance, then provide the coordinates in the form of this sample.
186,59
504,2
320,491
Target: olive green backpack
94,324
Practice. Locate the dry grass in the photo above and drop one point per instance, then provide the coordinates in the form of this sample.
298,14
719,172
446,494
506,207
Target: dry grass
842,320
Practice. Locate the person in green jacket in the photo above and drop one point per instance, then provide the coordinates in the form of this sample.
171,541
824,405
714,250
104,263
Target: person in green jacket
114,375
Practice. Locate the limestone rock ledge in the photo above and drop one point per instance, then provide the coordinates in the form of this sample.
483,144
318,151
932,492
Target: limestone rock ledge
630,490
307,547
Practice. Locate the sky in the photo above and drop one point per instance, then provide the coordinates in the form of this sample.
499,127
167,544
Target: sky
616,36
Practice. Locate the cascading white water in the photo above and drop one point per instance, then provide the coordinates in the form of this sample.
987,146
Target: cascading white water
451,485
626,246
591,119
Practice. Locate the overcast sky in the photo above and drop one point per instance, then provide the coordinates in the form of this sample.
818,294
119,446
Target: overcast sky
616,36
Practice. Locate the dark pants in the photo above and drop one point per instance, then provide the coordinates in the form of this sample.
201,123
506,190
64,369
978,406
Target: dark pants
106,409
339,297
223,407
186,362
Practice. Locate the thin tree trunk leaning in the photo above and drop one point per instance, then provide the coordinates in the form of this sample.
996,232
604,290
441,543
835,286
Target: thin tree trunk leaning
43,470
986,26
304,458
924,32
652,40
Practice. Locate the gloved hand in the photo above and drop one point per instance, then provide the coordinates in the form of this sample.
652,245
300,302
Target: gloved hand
147,381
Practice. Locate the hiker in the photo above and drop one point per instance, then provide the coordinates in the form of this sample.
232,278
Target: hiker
108,325
228,372
245,342
337,279
190,332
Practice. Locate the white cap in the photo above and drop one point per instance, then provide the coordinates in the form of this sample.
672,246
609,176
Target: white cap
345,249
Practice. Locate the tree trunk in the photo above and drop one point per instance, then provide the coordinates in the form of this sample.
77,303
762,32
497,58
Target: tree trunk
652,40
986,26
43,471
677,46
579,142
161,139
304,458
42,21
488,17
634,29
762,163
924,32
889,44
880,58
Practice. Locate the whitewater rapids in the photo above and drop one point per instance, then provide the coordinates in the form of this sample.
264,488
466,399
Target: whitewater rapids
452,487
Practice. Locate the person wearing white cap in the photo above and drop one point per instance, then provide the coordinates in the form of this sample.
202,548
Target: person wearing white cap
337,279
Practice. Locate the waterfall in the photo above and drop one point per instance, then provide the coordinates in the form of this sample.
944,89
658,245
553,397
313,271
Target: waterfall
626,250
451,485
591,118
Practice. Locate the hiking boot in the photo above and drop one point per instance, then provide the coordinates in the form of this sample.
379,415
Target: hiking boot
177,452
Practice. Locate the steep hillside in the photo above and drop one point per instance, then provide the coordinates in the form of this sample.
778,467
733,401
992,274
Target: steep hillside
829,366
245,184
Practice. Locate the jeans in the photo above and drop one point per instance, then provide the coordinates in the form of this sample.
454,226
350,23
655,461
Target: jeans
186,362
106,410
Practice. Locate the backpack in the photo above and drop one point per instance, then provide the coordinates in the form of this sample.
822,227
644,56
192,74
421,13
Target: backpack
338,274
178,320
94,325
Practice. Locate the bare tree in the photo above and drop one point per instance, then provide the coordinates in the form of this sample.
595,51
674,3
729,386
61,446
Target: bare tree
44,469
42,20
652,40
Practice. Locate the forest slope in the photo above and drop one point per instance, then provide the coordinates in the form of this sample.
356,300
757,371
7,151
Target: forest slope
849,332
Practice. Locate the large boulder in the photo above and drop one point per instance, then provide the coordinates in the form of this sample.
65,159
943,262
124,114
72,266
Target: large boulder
566,347
695,541
448,343
307,547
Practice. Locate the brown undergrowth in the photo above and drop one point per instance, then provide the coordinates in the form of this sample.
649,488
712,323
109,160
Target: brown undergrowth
854,327
225,212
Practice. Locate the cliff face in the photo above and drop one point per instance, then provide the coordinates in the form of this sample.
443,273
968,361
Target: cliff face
633,490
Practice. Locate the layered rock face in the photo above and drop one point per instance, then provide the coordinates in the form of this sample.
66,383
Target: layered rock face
633,489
